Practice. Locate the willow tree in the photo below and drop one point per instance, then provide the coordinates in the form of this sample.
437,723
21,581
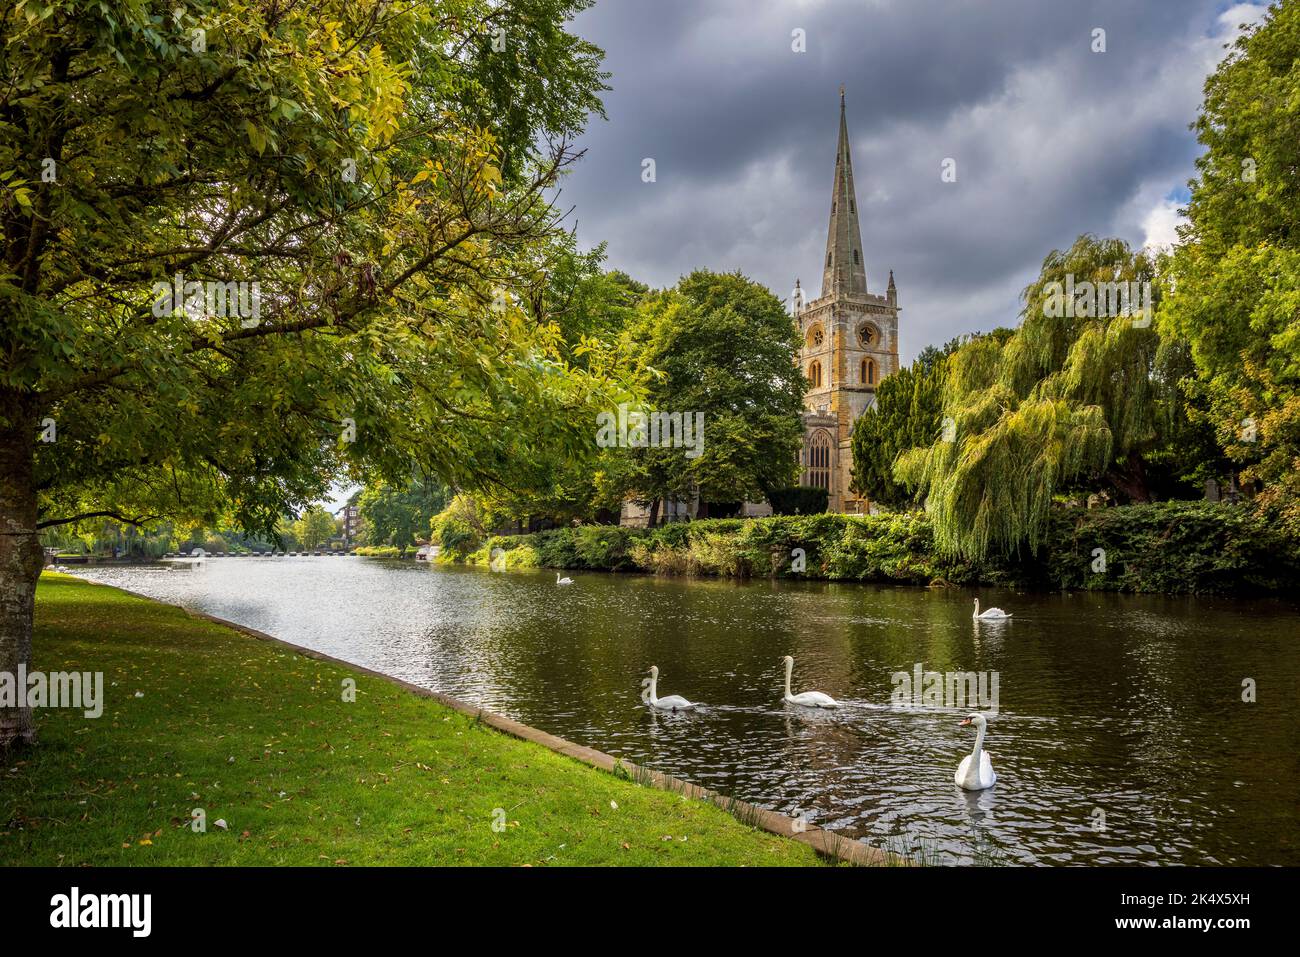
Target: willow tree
375,175
1079,393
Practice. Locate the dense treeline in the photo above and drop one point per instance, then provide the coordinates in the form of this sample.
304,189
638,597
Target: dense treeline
1169,547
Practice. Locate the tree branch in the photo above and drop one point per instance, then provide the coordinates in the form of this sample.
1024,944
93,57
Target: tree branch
137,522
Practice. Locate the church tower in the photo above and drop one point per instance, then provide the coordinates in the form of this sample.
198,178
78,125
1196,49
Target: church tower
849,343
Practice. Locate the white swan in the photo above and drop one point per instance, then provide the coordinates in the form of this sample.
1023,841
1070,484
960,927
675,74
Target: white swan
673,702
562,581
989,613
809,699
975,773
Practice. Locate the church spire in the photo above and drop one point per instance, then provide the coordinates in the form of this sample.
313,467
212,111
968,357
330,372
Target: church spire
843,270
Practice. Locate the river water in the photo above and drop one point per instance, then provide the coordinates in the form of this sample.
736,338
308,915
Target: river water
1119,734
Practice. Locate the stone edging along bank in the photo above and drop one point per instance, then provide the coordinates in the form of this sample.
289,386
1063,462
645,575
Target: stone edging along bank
824,842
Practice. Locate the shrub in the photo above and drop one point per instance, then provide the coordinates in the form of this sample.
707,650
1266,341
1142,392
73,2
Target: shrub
1171,547
516,551
459,528
600,546
380,551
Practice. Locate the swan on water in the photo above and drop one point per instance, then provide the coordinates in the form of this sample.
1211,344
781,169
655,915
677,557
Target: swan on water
809,699
562,581
989,613
673,702
975,773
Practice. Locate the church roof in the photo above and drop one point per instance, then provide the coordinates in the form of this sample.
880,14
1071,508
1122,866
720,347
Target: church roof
844,272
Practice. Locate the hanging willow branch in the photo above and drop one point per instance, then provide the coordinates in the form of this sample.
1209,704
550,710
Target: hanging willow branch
1058,402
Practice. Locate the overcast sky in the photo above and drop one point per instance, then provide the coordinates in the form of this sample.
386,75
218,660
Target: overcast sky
1050,139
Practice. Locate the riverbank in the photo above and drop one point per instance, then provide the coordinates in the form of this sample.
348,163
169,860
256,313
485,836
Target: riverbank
1166,548
260,738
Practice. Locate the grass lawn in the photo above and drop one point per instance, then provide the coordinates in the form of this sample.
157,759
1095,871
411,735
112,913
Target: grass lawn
259,736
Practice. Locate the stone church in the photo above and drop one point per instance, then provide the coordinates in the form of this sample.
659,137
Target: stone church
849,343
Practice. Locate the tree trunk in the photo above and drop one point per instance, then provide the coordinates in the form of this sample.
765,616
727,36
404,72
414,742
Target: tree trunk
653,518
1129,479
20,559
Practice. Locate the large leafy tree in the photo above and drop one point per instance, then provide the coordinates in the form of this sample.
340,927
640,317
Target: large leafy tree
380,170
595,308
724,346
1236,275
399,514
315,527
1066,399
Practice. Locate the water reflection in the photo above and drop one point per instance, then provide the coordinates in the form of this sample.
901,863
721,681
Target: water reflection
1120,737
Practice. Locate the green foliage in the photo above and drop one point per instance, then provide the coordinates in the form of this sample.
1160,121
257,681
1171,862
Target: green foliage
400,515
251,248
286,539
1236,277
584,299
1065,400
462,527
722,346
315,528
1170,547
381,551
908,413
591,308
798,500
379,177
602,547
511,554
897,548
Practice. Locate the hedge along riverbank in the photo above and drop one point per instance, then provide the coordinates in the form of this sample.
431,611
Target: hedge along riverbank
1168,547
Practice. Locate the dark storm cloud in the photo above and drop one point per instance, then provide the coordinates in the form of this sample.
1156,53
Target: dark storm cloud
1050,139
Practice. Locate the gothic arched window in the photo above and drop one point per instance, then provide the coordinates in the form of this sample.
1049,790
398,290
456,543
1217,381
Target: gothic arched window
868,372
818,460
855,257
828,260
815,375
